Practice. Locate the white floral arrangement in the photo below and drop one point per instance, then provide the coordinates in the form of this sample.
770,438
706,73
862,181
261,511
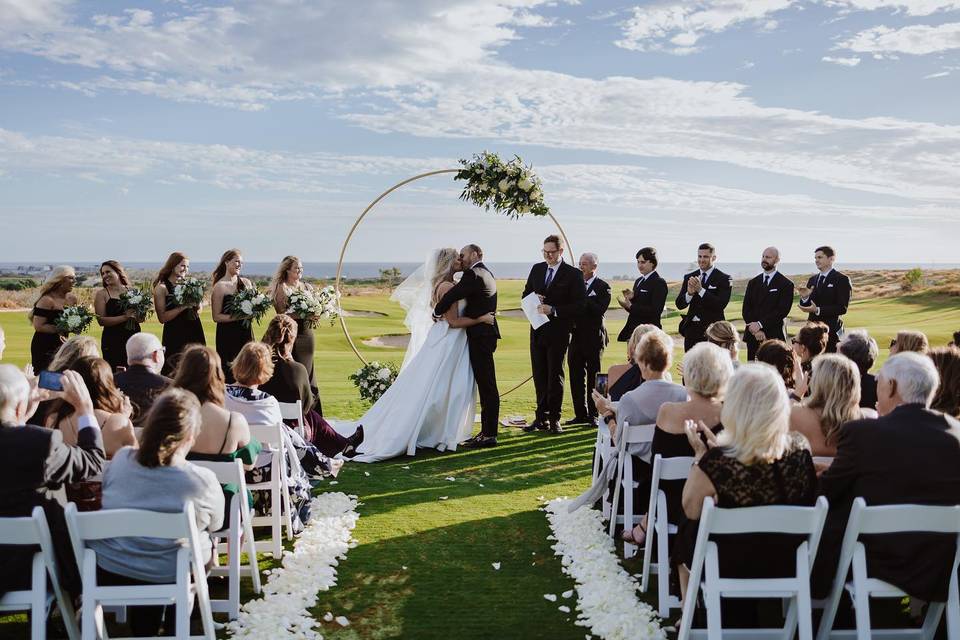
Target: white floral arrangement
188,293
373,379
511,188
140,302
310,305
74,319
247,305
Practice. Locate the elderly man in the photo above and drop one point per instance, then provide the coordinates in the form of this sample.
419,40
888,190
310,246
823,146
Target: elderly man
587,341
910,455
766,303
142,381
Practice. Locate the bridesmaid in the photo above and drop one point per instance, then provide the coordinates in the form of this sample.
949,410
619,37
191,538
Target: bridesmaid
106,304
55,294
181,323
287,279
231,334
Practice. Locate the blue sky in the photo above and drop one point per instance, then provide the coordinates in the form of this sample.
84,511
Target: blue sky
128,130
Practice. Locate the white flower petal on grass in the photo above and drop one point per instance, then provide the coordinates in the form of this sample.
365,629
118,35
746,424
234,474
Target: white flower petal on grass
333,482
496,566
328,617
406,467
552,597
442,498
366,473
564,608
450,479
567,594
342,621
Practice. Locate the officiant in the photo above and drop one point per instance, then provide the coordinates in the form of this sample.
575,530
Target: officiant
587,342
562,294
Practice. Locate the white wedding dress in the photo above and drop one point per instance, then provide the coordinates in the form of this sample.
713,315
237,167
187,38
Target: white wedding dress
430,404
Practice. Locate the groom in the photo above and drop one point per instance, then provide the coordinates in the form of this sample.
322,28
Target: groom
479,289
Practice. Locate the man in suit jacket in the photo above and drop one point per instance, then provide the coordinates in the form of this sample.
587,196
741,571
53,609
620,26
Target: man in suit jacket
587,341
644,303
910,455
766,303
827,295
706,292
562,296
35,464
479,288
141,381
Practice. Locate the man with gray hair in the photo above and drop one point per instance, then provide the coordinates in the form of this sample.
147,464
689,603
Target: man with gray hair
588,338
909,455
142,381
857,345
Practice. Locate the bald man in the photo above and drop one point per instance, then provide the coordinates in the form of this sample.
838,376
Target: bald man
766,303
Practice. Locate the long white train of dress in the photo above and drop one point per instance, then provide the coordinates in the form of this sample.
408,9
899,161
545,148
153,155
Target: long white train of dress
430,404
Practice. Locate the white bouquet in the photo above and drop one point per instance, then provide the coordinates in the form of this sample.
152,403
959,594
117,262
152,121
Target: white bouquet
247,305
74,319
310,306
188,293
141,303
373,379
507,187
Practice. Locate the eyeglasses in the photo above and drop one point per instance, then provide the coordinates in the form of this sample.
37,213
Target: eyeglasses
550,253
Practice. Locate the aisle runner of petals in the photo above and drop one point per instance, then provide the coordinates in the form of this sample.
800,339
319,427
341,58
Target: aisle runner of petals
606,593
310,568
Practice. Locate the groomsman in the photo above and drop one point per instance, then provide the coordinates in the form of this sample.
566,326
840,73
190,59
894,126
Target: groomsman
644,303
827,295
562,295
766,303
706,292
587,341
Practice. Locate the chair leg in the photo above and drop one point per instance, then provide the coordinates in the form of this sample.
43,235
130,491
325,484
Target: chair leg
663,568
932,620
275,524
233,559
711,596
38,598
861,598
805,611
184,609
88,619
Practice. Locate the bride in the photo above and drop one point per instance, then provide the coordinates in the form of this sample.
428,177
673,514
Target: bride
431,403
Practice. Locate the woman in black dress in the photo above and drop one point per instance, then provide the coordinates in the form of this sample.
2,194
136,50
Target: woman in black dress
181,323
55,294
231,334
287,279
118,325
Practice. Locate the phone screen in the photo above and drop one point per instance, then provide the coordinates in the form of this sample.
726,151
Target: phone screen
51,380
601,385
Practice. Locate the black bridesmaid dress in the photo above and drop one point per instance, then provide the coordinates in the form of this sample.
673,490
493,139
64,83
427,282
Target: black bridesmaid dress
303,349
179,333
44,346
113,342
231,336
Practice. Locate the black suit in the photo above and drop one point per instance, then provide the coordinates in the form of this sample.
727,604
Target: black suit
769,305
587,341
706,309
646,307
548,344
479,288
910,456
142,386
833,298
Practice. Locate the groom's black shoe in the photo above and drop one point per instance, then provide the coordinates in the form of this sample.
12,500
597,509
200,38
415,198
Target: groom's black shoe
536,425
574,421
555,427
479,442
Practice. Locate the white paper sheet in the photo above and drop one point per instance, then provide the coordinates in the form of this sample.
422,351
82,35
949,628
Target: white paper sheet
529,306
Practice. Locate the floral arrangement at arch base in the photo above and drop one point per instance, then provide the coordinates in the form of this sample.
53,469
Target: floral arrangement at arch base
373,379
511,188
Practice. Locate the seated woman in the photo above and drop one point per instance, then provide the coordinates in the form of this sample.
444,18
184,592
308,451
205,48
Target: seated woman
947,398
908,340
74,348
785,360
862,349
290,382
756,461
810,342
707,369
626,377
723,334
157,477
834,400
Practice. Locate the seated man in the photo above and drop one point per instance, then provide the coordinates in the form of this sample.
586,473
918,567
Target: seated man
142,381
910,455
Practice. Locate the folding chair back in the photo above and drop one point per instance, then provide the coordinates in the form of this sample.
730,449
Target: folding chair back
272,436
627,434
293,411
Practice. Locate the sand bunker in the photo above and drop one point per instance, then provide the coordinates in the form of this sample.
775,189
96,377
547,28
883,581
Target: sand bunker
389,340
354,313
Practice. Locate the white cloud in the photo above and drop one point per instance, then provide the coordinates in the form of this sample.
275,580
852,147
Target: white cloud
941,74
910,7
846,62
915,40
676,27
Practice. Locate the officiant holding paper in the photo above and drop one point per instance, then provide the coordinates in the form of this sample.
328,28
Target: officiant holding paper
562,295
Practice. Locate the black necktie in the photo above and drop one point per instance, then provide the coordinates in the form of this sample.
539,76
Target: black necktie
820,280
766,281
703,277
549,277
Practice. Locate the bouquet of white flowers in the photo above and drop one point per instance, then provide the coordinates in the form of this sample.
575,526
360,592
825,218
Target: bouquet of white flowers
309,305
74,319
141,303
373,379
188,293
507,187
247,305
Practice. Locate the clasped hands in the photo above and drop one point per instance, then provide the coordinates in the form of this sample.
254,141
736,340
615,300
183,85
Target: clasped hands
694,285
757,331
700,437
627,300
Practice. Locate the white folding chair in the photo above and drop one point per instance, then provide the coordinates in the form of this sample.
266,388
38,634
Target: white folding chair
33,530
272,437
603,449
229,539
823,460
191,582
294,411
881,520
659,527
627,434
807,521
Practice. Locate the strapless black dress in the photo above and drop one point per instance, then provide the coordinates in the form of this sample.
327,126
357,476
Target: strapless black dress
44,346
303,350
113,342
231,336
179,333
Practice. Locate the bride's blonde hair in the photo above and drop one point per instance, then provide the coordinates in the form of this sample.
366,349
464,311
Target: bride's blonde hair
446,258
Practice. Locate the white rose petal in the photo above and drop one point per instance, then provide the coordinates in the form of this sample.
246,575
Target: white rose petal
450,479
328,617
564,608
567,594
496,566
552,597
442,498
342,621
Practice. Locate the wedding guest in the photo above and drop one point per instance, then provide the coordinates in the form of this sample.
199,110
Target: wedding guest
181,323
644,303
810,342
287,279
909,455
827,295
3,342
947,398
862,350
232,334
587,342
834,400
907,340
725,335
55,294
69,353
622,378
35,463
706,292
141,381
956,340
157,477
785,360
562,297
766,303
118,325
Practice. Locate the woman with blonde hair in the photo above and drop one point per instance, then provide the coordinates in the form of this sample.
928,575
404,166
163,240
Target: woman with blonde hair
181,323
55,294
118,325
288,279
232,334
72,349
909,340
723,334
622,378
834,400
